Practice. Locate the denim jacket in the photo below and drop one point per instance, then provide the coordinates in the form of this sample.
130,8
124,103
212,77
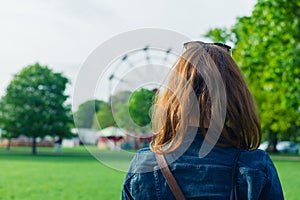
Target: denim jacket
204,178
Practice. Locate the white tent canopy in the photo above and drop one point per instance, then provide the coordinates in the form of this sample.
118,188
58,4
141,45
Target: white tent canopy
111,132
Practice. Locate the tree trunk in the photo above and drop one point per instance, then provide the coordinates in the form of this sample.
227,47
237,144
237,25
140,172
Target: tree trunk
272,138
33,145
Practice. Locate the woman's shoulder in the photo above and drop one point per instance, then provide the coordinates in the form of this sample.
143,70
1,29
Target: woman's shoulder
143,161
258,169
256,159
255,153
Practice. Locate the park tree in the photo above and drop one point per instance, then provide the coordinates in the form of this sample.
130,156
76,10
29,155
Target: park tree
132,113
84,116
34,104
140,104
129,111
103,118
120,110
114,112
3,120
267,49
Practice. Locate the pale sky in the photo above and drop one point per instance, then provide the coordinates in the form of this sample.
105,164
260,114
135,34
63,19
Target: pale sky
62,33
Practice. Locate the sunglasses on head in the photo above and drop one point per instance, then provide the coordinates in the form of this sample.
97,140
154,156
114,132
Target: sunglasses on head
197,43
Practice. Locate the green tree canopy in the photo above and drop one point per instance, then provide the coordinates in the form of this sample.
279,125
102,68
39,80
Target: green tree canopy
129,111
140,103
267,49
34,104
84,116
103,118
120,110
113,113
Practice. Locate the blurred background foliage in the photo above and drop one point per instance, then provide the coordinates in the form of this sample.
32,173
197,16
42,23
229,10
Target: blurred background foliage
267,50
127,110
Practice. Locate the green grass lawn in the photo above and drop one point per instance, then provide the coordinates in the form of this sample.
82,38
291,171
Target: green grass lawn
75,174
288,168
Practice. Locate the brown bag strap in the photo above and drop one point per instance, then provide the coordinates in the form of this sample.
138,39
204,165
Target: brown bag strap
171,181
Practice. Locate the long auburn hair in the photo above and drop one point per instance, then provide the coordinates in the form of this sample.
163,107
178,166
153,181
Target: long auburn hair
242,126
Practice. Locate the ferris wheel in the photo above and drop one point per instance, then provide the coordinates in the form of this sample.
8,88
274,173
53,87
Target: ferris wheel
145,67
